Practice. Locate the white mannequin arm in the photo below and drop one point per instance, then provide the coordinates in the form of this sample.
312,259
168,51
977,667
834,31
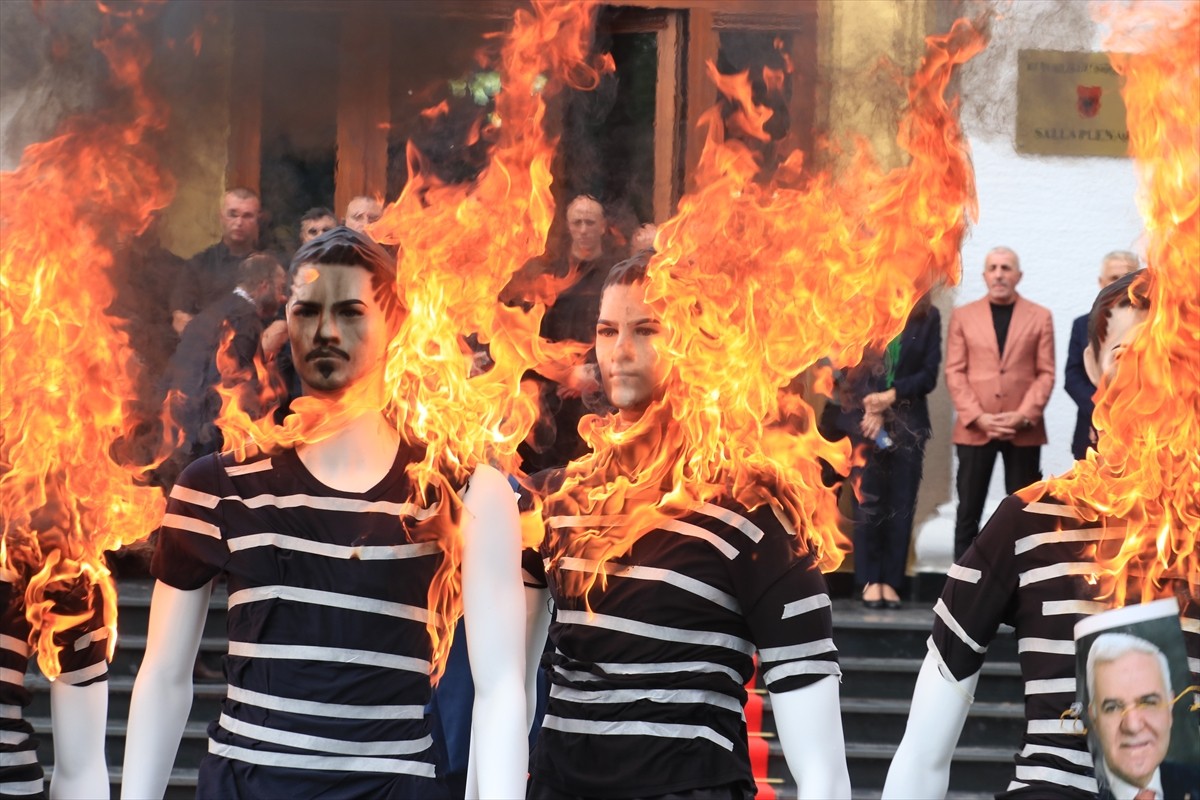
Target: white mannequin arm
537,621
78,715
494,609
921,766
809,722
162,693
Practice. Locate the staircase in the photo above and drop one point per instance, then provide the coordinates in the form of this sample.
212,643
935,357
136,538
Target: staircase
880,654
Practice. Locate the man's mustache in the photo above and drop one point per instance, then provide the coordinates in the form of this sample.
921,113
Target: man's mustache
327,352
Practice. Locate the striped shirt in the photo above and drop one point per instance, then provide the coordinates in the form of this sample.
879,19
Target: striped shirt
1031,567
329,656
83,661
647,690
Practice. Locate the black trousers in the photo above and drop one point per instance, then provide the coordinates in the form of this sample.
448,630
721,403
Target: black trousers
883,520
733,791
1022,466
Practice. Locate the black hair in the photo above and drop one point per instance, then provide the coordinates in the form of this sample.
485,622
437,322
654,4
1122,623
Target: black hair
1129,291
320,212
348,248
630,271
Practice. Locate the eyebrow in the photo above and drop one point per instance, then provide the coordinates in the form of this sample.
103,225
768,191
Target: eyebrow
641,321
339,304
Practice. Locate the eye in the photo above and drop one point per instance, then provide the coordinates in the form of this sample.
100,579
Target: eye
647,330
1110,707
303,311
606,331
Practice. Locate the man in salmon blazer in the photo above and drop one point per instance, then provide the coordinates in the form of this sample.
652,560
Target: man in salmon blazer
1000,371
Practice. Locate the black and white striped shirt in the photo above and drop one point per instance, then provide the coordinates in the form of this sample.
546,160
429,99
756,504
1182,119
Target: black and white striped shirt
83,659
329,655
647,689
1031,567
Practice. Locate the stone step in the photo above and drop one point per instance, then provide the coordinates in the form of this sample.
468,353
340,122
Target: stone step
895,678
192,745
180,786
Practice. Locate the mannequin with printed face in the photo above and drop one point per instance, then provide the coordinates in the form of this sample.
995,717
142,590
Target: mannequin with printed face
660,650
1025,568
329,563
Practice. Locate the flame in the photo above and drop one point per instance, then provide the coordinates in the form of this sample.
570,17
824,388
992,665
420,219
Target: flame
459,246
773,273
1145,469
67,371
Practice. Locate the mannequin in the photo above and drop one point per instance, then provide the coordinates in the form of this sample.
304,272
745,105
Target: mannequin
223,514
1028,567
653,642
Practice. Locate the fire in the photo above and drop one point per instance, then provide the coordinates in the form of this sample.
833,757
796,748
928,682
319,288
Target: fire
757,279
459,245
67,371
1147,471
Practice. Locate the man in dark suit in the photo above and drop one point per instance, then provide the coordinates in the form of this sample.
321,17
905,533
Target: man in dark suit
194,373
1000,371
1115,265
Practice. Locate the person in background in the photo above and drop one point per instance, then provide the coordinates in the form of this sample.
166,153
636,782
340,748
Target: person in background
315,222
1000,372
209,274
1116,264
361,211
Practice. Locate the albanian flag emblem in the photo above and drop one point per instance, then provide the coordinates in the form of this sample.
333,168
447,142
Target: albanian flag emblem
1087,100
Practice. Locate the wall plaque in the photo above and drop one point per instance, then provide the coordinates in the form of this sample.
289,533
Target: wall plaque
1069,104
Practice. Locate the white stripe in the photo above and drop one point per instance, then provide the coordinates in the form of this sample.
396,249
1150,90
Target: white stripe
11,676
336,655
649,631
347,504
940,609
733,519
804,650
961,573
18,646
588,520
313,708
235,470
13,737
1032,644
1053,510
811,603
688,584
1016,785
8,711
1081,757
1045,727
1051,608
361,552
332,763
1194,665
19,788
194,497
180,522
631,728
1050,686
1057,776
665,667
86,674
314,597
322,744
97,635
22,758
625,696
1055,571
696,532
801,668
1027,543
1189,624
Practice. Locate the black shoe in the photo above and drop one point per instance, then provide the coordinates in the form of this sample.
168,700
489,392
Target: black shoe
874,605
892,605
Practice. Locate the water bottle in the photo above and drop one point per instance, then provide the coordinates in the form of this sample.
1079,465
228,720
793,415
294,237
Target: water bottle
883,441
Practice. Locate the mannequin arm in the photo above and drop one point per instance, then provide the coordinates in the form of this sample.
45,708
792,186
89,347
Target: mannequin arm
921,766
494,606
809,722
78,715
162,693
537,622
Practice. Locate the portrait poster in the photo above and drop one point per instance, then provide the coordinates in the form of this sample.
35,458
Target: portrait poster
1137,699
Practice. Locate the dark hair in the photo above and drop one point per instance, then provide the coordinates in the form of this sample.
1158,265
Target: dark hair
348,248
256,268
241,193
320,212
1128,291
630,271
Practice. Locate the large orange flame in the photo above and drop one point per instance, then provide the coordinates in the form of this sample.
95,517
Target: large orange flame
758,278
1146,473
67,373
459,245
